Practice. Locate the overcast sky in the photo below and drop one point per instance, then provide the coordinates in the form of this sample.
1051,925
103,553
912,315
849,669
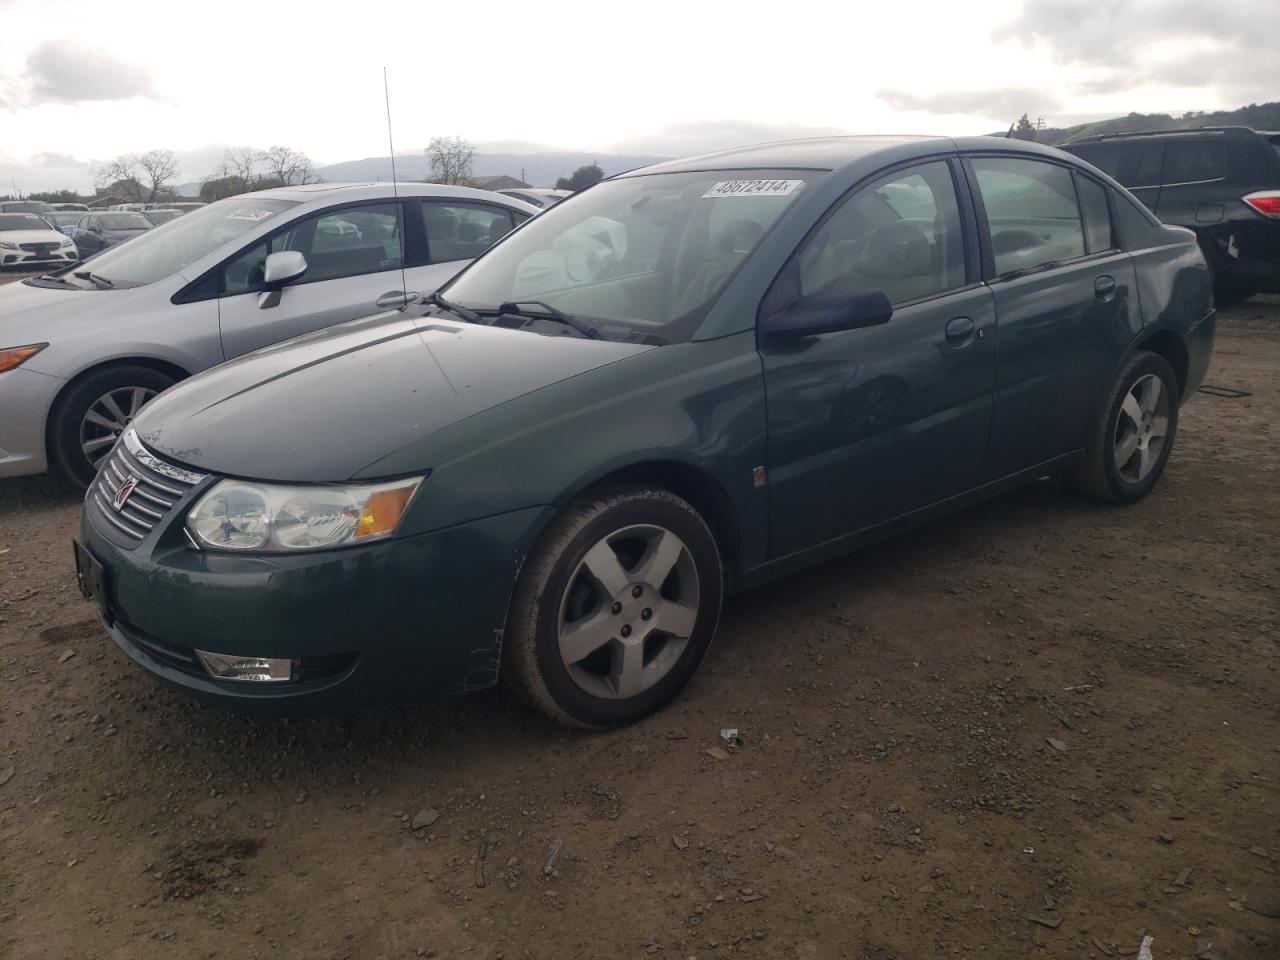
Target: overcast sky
82,80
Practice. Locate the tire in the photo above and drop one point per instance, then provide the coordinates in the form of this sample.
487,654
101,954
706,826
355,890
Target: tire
1115,430
70,429
558,592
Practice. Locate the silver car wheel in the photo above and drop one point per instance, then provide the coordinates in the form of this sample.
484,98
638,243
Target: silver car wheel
108,417
1141,428
628,611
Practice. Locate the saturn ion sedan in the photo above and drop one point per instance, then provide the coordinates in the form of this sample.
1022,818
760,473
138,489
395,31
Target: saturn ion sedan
677,384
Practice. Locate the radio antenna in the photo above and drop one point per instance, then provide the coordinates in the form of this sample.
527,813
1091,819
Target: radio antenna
395,189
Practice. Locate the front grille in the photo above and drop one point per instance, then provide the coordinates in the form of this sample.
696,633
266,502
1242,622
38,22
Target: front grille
40,248
153,488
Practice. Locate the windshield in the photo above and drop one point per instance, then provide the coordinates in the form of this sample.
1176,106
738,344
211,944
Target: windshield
22,221
165,250
69,219
645,254
125,221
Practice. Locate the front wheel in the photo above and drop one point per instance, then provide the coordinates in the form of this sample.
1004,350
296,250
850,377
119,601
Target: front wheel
1131,442
615,608
91,417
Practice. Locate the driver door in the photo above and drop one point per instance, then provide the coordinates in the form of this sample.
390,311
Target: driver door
868,424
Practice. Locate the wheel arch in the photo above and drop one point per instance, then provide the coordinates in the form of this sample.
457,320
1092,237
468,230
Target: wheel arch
686,480
1169,344
166,367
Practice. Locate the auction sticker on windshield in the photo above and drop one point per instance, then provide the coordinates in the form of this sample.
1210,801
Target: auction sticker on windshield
753,188
250,213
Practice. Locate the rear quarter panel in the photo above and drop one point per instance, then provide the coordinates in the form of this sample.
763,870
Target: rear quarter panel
1175,288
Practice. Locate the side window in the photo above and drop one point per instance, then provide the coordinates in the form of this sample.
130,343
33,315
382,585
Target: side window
463,231
900,234
1191,161
1140,164
1031,211
1097,216
344,243
1104,156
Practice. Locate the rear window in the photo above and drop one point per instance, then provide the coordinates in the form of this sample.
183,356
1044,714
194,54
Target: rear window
22,221
1134,164
1192,161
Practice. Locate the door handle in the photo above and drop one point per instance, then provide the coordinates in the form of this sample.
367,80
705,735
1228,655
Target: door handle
959,331
1104,288
396,298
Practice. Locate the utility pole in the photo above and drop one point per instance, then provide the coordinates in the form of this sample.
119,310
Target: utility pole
1039,123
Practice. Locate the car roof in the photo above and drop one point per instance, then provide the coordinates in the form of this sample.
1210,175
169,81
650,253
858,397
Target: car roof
1171,132
831,153
376,189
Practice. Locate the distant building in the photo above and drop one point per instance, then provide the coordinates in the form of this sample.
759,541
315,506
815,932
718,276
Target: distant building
498,183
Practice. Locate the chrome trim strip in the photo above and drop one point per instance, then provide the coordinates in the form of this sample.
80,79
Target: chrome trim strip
141,509
135,447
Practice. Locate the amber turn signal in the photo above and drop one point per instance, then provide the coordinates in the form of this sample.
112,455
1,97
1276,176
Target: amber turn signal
13,356
383,510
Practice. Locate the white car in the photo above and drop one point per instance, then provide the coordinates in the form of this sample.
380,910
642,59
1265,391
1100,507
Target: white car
28,240
83,348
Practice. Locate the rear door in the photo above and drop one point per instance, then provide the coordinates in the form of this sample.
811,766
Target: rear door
1065,299
1193,184
354,259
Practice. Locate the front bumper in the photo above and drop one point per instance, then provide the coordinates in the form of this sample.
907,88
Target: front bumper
25,400
25,258
372,626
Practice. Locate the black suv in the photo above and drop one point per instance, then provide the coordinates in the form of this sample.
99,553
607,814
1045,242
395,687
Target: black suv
1221,182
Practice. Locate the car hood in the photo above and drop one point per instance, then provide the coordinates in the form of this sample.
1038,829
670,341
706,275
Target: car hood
324,406
26,312
32,236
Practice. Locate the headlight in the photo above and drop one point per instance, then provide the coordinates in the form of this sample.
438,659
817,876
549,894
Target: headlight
238,515
66,242
9,245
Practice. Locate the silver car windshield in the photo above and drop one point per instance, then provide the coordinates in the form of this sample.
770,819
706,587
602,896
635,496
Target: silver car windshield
165,250
645,254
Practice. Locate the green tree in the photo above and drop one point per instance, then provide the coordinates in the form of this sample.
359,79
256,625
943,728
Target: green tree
1024,129
581,178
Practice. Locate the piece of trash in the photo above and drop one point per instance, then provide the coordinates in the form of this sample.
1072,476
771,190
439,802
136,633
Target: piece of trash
482,854
1049,902
1103,948
1184,875
1052,924
1165,838
1079,688
1235,905
730,736
1057,744
716,753
1193,930
1144,948
66,655
553,851
680,843
751,898
1028,849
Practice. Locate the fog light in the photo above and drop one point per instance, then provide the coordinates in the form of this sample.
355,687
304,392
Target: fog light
224,666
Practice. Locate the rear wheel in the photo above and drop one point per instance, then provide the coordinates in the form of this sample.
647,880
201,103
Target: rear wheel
615,608
1133,437
91,417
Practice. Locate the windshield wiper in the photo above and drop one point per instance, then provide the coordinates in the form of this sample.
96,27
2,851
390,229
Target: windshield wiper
52,279
436,300
549,312
102,283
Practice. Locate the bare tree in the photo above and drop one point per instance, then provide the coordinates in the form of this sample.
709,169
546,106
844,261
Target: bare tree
450,159
287,167
240,162
139,177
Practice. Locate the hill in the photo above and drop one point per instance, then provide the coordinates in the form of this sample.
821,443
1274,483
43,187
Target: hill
540,169
1260,116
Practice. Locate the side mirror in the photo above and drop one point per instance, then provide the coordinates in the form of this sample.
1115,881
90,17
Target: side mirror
281,268
829,312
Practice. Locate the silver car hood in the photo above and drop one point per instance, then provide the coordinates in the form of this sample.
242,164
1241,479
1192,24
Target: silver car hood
30,314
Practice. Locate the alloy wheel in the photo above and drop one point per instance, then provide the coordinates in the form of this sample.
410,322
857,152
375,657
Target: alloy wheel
628,611
1141,428
108,417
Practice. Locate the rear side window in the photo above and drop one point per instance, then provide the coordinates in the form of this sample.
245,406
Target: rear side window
1193,161
1096,215
463,231
1032,212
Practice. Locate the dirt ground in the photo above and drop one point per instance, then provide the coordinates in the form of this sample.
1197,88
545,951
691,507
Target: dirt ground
1040,728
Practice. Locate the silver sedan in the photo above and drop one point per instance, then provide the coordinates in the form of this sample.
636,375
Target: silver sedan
81,350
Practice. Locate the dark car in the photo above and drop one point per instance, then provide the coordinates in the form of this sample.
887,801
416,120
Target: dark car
1221,182
97,231
686,381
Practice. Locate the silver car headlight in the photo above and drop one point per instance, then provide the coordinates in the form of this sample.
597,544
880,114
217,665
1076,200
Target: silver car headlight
66,242
9,245
268,517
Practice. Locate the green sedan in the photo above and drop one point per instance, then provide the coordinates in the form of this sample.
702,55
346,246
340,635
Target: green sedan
678,384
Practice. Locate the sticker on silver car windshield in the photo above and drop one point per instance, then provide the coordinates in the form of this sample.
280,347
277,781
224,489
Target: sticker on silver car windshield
249,213
753,188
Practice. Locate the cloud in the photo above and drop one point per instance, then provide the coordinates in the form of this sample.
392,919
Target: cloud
999,103
1183,43
62,71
